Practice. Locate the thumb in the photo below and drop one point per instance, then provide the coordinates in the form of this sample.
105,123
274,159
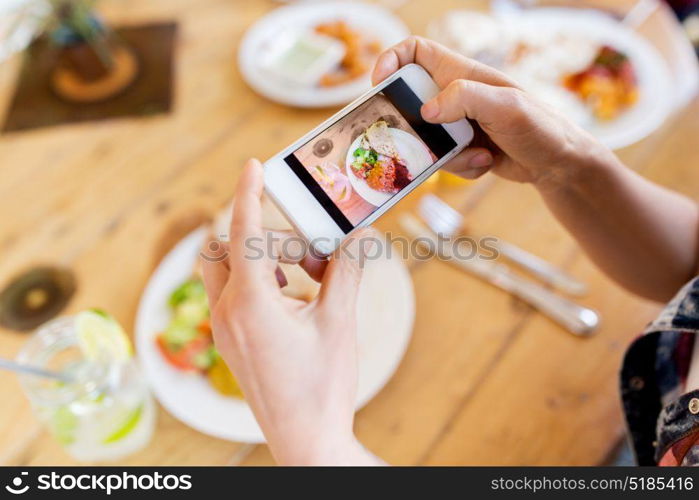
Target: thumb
470,99
340,285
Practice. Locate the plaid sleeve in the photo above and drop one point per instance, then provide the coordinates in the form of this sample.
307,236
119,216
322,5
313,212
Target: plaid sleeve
662,418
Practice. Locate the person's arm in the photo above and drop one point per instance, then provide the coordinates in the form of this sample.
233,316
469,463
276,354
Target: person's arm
295,361
642,235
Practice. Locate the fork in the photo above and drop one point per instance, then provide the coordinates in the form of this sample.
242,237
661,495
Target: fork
446,221
575,318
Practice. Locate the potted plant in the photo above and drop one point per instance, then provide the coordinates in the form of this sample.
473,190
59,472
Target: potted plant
92,63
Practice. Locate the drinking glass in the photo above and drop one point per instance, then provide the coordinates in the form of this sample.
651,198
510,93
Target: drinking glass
105,411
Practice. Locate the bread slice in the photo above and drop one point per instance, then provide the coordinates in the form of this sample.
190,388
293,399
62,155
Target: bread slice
378,137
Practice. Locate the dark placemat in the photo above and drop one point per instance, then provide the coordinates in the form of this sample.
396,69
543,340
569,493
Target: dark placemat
36,105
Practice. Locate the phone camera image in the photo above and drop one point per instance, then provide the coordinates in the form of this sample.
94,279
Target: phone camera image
360,162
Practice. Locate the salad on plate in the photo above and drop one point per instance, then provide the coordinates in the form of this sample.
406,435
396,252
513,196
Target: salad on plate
187,342
378,162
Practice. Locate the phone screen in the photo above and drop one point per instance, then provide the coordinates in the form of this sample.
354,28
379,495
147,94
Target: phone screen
360,162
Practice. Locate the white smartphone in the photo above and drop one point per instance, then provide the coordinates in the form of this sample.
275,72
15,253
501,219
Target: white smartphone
356,165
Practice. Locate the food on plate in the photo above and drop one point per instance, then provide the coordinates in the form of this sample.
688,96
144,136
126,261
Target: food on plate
474,34
303,58
187,342
360,51
570,69
333,181
223,380
540,59
608,85
377,161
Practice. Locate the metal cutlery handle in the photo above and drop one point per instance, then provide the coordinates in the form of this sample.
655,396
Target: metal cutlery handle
540,268
575,318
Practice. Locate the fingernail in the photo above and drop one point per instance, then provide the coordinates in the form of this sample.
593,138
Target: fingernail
281,278
430,109
383,67
481,160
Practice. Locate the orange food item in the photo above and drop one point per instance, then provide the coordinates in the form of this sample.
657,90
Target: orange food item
223,380
205,327
608,85
377,178
359,52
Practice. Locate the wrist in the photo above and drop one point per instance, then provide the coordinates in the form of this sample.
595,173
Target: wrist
333,451
579,165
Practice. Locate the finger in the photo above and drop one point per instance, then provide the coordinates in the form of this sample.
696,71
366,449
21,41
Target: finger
314,267
290,248
247,258
215,275
443,64
247,206
471,163
213,266
481,139
215,250
474,173
475,100
281,277
340,286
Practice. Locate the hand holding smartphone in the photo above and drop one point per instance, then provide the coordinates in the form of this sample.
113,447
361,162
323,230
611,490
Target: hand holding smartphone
352,168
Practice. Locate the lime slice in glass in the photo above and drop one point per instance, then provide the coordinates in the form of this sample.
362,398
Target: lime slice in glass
127,427
99,334
64,424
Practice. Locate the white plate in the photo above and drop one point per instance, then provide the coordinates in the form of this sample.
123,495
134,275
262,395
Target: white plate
656,97
387,306
413,152
372,19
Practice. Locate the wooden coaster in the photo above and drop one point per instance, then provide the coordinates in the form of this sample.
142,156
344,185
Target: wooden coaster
35,296
44,97
68,85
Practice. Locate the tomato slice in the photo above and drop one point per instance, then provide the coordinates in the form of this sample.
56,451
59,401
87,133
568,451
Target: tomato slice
183,359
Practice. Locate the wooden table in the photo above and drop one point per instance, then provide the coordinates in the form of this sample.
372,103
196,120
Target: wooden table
486,379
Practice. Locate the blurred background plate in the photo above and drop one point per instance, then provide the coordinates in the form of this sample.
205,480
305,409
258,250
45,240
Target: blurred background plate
656,97
541,46
386,311
372,20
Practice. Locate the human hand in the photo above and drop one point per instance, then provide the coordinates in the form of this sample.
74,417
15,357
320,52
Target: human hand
295,361
527,141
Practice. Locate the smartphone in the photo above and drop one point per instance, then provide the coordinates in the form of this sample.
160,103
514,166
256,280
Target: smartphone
352,168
